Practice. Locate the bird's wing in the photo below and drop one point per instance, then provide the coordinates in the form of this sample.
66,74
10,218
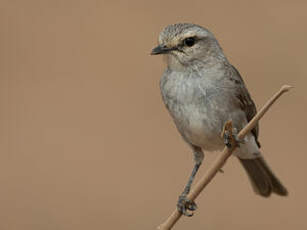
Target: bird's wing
245,101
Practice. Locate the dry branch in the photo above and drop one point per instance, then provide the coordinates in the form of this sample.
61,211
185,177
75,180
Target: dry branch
220,161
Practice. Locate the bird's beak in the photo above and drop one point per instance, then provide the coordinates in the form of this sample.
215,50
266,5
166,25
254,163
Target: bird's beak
160,50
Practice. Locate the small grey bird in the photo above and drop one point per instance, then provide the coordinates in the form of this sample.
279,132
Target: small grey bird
202,91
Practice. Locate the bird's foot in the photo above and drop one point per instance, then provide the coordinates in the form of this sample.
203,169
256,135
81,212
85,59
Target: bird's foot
230,136
186,206
230,139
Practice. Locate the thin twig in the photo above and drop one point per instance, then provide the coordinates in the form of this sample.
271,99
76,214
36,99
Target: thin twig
220,161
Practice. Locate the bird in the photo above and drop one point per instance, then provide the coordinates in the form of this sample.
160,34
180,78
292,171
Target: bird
202,91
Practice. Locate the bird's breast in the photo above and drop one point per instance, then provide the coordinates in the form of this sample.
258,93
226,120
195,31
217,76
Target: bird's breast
194,109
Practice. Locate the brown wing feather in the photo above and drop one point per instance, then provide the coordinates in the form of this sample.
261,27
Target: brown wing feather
246,103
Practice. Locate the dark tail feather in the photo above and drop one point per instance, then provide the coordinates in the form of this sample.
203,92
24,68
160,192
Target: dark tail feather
263,180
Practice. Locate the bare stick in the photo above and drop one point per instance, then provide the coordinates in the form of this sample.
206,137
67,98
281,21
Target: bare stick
221,160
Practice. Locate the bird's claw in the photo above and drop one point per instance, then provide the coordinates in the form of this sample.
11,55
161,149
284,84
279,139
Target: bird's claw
186,206
230,138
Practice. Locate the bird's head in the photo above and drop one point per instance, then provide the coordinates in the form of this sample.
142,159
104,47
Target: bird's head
184,44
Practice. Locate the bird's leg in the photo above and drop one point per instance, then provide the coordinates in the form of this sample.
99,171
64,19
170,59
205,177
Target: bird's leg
184,205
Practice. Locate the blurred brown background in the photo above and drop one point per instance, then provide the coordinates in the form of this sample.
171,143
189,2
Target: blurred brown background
85,140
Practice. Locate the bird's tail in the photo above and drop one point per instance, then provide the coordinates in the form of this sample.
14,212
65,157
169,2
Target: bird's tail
263,180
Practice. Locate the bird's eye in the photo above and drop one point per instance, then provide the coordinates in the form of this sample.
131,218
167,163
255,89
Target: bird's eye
189,41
